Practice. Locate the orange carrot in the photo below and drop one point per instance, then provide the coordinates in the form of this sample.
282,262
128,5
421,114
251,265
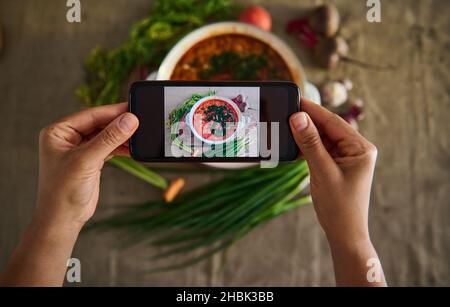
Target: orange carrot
173,189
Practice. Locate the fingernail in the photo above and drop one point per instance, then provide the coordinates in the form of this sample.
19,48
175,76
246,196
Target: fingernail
127,122
300,121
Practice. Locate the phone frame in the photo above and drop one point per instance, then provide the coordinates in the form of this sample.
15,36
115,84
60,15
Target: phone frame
180,83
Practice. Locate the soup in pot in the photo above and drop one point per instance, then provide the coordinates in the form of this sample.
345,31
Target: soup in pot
231,57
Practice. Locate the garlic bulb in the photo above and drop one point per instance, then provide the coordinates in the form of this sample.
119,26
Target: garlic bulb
334,94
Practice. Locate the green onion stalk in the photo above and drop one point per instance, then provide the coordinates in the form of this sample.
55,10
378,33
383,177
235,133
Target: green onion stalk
140,171
211,218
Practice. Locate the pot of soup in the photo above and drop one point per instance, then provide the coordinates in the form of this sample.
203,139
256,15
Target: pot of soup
231,51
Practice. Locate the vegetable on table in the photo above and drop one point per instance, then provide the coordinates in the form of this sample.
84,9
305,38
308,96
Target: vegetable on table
258,16
150,39
213,217
140,72
140,171
355,113
319,31
144,173
329,52
335,93
173,189
325,20
302,30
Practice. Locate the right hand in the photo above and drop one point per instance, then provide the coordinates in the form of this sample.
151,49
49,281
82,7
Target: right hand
341,164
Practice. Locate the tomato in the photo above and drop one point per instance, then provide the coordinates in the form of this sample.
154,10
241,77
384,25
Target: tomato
258,16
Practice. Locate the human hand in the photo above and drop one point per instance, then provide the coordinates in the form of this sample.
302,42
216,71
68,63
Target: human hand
341,163
72,152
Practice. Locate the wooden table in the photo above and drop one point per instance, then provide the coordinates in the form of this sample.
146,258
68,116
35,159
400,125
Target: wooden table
408,118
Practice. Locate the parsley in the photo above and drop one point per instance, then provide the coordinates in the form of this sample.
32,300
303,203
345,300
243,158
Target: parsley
220,115
238,67
149,41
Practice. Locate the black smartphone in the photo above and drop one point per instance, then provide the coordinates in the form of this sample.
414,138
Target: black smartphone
203,121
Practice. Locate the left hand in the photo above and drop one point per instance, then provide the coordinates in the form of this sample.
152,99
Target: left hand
72,152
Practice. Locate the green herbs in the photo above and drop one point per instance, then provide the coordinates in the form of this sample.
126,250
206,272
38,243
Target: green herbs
149,41
176,115
211,218
229,149
234,66
220,115
140,171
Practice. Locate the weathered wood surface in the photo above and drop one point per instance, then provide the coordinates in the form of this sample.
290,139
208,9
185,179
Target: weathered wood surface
408,116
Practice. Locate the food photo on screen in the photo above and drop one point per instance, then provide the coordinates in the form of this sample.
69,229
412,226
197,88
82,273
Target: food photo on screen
211,121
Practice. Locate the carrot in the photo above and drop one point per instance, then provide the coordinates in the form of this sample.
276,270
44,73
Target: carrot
173,189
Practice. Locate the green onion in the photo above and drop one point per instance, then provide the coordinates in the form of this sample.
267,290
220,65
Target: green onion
211,218
139,171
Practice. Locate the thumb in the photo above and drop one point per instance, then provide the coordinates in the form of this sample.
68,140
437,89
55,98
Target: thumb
112,137
308,140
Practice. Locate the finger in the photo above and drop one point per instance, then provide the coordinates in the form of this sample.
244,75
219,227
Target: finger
111,138
92,135
308,139
123,151
86,121
328,123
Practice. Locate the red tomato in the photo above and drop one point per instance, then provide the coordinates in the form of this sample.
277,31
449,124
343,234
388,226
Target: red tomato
257,16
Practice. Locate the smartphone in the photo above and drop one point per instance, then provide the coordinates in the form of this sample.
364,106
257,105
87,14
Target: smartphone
203,121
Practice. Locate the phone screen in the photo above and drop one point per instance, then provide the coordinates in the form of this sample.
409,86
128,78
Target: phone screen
213,121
